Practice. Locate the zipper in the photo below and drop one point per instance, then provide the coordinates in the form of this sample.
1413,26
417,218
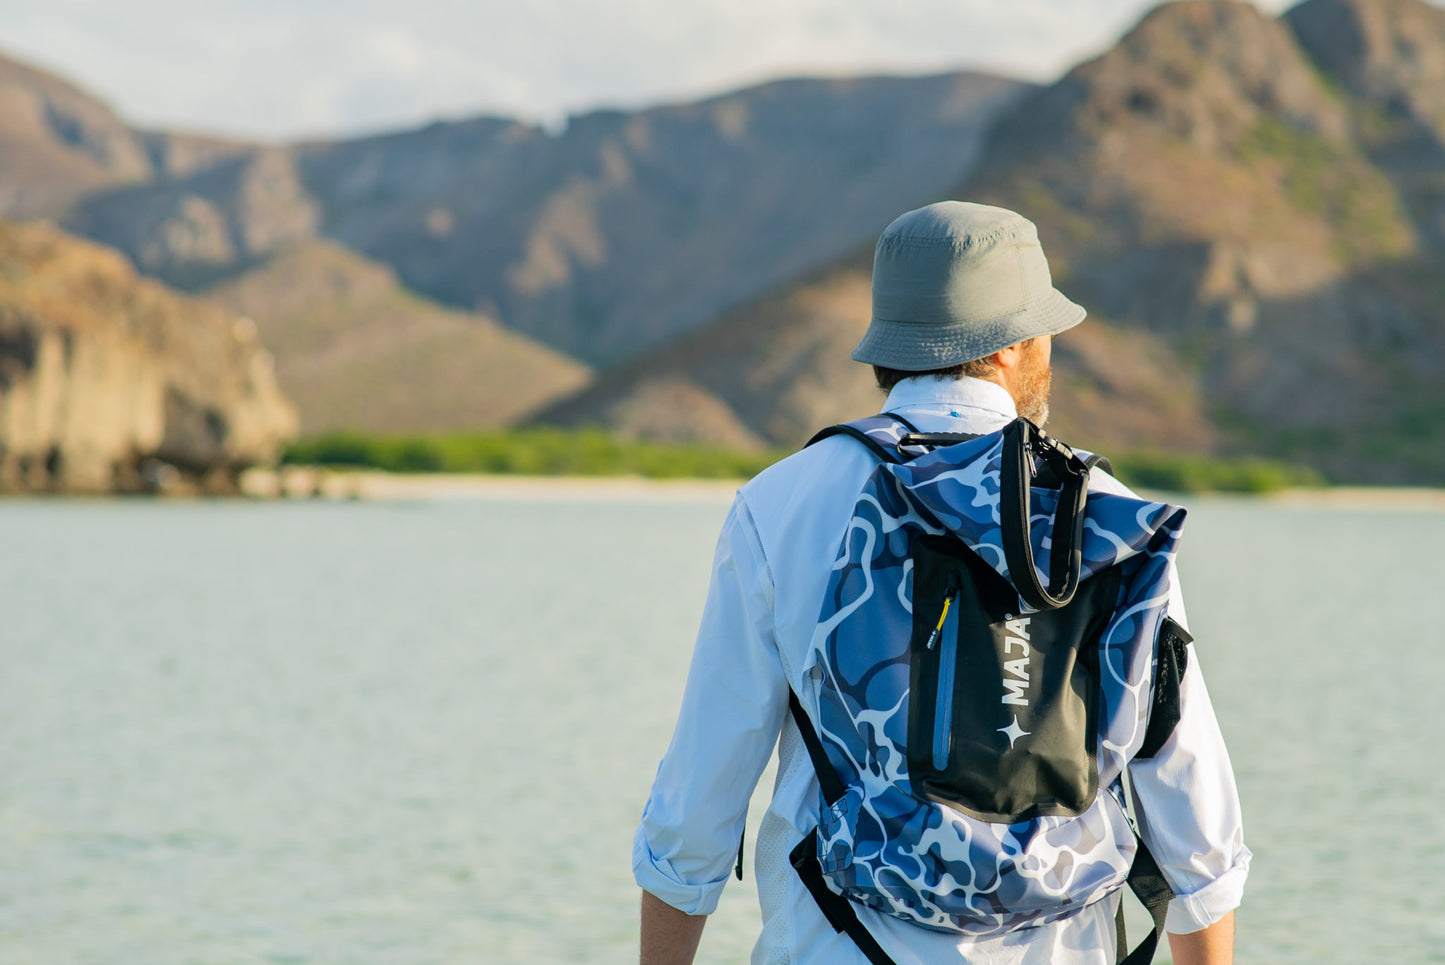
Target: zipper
945,637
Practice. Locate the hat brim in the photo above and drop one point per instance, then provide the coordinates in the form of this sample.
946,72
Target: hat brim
912,347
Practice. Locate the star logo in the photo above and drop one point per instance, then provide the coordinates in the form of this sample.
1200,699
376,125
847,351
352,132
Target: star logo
1014,732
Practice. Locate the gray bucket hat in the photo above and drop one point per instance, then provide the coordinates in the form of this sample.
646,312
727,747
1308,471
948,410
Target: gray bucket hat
957,281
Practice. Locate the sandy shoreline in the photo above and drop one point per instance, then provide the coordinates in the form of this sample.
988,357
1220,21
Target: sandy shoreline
309,482
299,482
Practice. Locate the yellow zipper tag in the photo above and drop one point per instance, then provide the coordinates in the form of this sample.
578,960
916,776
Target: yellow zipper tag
938,630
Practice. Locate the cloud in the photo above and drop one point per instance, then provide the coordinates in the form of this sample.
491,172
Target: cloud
286,69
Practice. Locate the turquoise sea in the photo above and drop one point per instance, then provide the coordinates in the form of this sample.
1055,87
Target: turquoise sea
421,732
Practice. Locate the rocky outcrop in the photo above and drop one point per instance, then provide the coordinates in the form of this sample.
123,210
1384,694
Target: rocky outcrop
194,230
1387,52
1210,186
1386,59
110,383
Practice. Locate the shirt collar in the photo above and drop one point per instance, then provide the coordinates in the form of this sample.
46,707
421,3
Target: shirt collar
929,390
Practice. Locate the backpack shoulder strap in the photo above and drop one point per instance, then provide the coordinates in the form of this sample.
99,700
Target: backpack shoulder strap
837,909
1149,885
828,780
882,434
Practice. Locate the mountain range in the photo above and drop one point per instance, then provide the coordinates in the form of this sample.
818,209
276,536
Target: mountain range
613,235
1251,208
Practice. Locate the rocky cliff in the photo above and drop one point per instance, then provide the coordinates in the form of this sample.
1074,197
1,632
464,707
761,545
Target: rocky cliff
109,382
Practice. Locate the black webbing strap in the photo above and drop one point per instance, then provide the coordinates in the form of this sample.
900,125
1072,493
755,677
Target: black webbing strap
933,440
838,910
1022,441
1148,884
828,780
874,446
804,858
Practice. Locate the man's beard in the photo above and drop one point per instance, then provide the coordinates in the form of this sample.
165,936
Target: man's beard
1035,374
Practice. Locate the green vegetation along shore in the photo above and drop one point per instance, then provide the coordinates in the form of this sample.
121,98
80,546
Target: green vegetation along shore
529,452
589,452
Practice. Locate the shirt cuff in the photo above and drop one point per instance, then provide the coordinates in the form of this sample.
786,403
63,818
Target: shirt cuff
1202,908
656,876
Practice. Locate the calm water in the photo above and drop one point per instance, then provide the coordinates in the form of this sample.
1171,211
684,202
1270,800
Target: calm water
422,733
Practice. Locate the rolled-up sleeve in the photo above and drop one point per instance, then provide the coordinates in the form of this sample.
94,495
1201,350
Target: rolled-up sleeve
732,709
1188,809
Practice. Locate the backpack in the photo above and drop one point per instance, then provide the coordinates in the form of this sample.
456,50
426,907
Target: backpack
974,722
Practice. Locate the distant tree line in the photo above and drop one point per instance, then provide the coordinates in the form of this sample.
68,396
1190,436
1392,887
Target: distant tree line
591,452
531,452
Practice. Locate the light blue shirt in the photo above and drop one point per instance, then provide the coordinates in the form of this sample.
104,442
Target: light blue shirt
769,576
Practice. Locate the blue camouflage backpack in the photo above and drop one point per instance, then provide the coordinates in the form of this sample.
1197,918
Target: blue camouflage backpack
975,721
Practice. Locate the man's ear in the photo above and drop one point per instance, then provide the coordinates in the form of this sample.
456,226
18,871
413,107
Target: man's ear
1008,359
1007,365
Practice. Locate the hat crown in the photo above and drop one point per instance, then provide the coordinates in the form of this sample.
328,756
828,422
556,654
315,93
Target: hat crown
962,224
955,281
967,262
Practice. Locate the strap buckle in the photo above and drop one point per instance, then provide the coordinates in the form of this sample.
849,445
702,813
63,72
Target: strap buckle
1070,462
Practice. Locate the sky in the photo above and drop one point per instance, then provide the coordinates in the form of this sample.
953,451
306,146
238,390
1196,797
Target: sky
291,69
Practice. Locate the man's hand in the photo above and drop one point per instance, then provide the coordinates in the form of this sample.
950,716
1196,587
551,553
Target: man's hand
1208,946
669,936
